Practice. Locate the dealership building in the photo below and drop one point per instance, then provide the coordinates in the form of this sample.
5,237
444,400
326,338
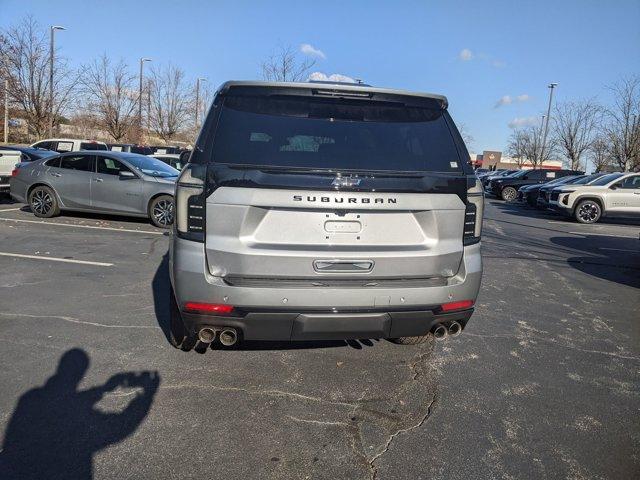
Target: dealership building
494,160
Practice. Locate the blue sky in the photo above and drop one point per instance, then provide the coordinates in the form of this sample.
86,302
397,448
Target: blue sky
475,52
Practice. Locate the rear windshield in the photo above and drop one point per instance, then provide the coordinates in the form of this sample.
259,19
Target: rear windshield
327,134
92,146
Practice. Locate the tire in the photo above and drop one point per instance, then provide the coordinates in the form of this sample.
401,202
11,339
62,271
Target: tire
161,211
43,202
413,340
509,194
177,332
587,211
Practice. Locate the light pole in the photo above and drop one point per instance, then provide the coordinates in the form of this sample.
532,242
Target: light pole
6,111
551,86
198,80
142,60
51,54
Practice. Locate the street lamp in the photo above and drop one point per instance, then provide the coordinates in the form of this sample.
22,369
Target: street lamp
198,80
551,86
51,54
142,60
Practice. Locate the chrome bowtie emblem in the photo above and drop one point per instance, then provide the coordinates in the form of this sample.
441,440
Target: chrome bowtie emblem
345,182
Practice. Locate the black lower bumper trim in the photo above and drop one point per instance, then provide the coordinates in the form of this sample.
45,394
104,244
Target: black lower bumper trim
287,325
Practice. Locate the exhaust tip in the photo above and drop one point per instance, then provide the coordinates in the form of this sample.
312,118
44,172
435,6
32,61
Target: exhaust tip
455,329
440,331
207,335
228,337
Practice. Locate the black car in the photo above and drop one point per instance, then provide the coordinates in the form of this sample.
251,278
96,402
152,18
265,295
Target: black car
544,195
29,154
496,174
507,188
530,194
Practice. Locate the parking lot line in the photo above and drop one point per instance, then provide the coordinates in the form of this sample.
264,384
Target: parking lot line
9,209
603,234
55,259
601,226
58,224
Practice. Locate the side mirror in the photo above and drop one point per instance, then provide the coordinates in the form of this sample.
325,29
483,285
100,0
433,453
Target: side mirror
127,174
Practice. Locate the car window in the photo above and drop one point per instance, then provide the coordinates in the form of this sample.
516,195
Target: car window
43,145
63,147
54,162
92,146
604,180
632,182
116,148
151,166
77,162
110,166
303,132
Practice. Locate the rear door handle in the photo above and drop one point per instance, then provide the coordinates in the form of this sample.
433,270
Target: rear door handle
56,174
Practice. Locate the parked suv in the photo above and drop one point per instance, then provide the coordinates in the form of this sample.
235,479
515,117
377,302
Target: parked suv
324,211
507,188
612,194
62,145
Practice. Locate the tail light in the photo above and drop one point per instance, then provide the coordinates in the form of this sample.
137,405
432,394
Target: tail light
208,308
473,214
456,306
190,208
14,172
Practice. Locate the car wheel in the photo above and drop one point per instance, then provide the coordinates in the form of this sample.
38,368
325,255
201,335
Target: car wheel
177,332
413,340
43,202
509,194
588,211
161,211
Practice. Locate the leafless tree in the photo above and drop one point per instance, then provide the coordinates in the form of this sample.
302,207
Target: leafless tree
467,138
286,66
599,153
169,102
24,56
622,127
532,147
517,147
575,128
111,95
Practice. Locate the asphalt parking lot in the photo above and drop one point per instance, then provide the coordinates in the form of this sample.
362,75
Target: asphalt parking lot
543,383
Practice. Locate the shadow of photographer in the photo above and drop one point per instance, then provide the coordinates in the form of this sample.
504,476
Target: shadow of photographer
56,429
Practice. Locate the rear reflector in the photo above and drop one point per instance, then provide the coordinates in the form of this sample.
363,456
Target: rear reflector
208,308
453,306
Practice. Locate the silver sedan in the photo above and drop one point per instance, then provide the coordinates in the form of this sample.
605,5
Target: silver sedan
110,182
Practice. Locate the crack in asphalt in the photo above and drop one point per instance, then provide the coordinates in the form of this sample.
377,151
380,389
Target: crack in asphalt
75,320
392,437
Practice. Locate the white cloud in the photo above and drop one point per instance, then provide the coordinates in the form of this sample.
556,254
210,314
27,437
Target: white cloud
519,122
505,100
334,77
465,55
312,51
508,100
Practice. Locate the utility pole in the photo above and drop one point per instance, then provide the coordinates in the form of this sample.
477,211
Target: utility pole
51,60
6,111
142,60
551,86
198,80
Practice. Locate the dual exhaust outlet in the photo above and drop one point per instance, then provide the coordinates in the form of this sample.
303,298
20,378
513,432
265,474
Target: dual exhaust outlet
228,336
441,330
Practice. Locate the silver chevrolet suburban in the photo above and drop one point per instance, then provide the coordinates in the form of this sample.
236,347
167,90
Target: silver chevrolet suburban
311,211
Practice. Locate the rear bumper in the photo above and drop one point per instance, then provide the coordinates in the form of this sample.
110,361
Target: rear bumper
319,312
286,325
